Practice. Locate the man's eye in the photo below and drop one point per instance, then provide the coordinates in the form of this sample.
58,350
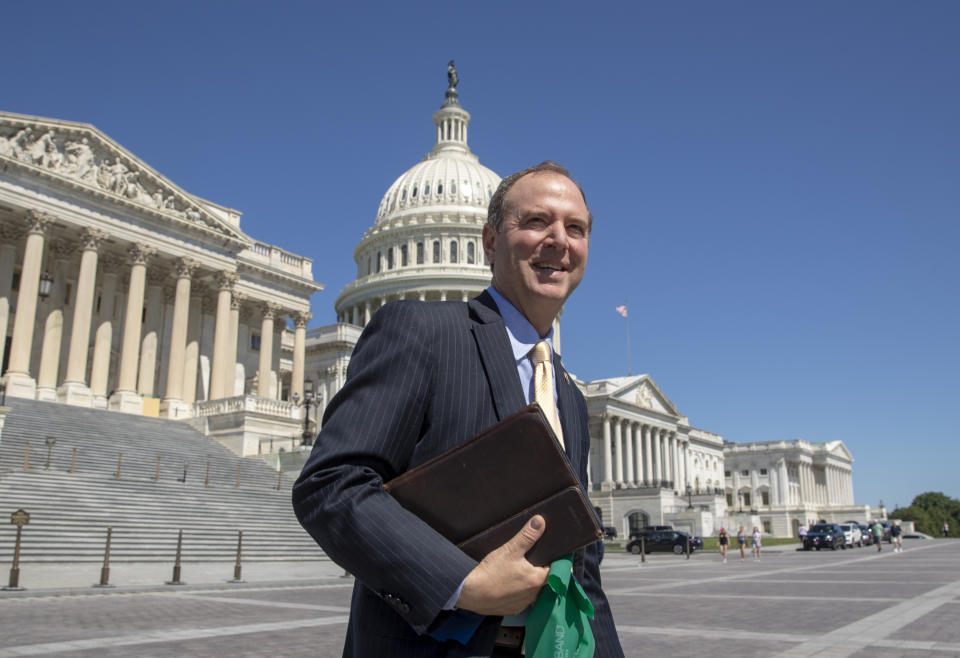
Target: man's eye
535,222
576,230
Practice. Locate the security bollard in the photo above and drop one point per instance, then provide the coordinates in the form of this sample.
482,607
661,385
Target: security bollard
19,518
643,548
105,569
73,460
119,463
206,479
26,457
239,468
279,479
176,564
156,475
688,547
236,567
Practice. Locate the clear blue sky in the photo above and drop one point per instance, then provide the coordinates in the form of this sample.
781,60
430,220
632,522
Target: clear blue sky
775,185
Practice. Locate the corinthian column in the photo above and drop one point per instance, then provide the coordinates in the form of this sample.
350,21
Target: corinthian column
629,478
607,483
103,337
300,321
172,405
74,389
230,376
18,379
265,370
657,457
10,235
618,451
191,357
125,398
53,324
221,334
150,343
647,456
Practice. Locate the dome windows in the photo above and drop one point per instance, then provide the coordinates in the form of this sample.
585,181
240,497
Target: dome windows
403,255
453,251
471,255
390,258
414,194
419,253
426,189
436,251
439,188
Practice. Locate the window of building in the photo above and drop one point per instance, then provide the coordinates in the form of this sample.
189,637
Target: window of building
369,264
726,474
414,193
767,527
729,500
426,189
439,188
453,251
403,194
471,253
744,473
15,282
763,471
419,253
746,499
379,261
765,498
453,187
390,258
436,251
254,341
403,255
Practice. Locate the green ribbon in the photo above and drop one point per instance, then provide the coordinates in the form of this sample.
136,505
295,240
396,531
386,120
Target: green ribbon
557,624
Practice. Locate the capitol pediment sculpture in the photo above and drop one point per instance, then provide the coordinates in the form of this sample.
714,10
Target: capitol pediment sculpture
81,155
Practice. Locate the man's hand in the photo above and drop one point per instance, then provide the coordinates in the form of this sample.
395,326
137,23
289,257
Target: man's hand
505,583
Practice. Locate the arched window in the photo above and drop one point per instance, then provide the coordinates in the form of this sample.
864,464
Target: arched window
414,193
403,255
453,187
419,253
369,265
426,189
439,188
453,251
390,258
403,194
471,255
436,251
379,261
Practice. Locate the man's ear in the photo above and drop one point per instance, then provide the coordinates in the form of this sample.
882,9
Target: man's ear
489,240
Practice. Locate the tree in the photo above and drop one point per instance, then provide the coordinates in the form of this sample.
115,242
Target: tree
929,510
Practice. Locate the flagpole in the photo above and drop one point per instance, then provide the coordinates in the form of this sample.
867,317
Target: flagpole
628,341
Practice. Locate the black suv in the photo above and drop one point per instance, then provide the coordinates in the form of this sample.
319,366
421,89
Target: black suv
674,541
825,535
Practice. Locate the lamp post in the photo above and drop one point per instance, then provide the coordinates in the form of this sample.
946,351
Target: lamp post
689,497
50,441
307,402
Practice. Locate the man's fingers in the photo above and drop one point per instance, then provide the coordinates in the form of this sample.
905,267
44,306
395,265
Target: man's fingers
524,540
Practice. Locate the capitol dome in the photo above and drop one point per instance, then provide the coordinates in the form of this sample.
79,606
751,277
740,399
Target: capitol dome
425,242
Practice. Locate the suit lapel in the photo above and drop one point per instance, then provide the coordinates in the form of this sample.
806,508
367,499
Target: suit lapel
497,357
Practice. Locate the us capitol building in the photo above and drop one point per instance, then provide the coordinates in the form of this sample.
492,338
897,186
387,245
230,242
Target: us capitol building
120,290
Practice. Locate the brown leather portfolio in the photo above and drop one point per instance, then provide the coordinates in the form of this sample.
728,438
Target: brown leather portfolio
480,493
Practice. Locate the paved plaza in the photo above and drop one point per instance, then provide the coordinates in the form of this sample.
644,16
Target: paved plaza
846,603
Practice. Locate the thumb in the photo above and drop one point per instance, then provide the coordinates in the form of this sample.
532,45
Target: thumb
524,540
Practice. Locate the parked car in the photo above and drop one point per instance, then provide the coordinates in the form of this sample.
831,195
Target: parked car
852,534
865,535
647,529
825,535
674,541
609,532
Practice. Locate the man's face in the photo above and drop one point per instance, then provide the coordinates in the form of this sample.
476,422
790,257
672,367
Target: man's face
540,253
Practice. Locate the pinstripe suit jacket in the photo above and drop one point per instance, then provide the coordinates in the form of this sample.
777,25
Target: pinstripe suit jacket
423,378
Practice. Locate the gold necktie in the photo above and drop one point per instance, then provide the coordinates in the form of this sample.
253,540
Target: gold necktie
543,386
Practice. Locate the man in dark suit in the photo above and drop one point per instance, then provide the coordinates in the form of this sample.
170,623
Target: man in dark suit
423,378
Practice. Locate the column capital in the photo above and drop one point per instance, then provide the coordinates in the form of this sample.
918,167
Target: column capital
300,319
269,310
184,268
237,300
225,280
92,238
38,222
138,254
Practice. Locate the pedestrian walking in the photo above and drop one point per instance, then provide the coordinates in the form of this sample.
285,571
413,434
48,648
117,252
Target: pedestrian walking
802,532
945,529
895,532
724,542
755,545
877,531
742,542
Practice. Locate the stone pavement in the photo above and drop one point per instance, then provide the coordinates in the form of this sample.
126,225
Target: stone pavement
846,603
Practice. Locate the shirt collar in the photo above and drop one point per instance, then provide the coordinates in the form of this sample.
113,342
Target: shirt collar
521,333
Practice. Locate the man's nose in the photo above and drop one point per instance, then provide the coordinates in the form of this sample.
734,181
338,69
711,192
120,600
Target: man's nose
557,236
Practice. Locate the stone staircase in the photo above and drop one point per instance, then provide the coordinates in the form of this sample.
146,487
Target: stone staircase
146,506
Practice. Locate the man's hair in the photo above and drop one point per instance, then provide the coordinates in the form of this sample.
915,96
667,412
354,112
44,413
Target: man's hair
497,210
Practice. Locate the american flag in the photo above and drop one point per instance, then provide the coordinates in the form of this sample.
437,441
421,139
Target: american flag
622,310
